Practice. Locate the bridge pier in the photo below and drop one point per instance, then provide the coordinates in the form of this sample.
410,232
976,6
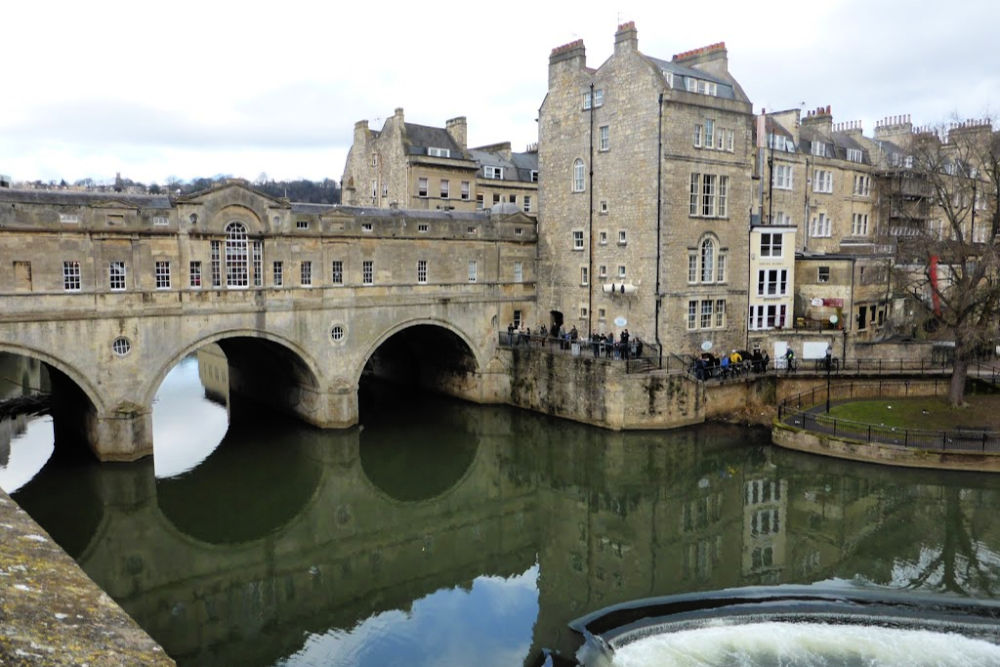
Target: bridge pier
123,435
332,408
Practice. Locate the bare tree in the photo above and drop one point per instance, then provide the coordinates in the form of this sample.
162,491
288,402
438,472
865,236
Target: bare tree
949,262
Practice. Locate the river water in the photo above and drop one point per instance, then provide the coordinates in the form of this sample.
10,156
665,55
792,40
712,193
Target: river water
444,533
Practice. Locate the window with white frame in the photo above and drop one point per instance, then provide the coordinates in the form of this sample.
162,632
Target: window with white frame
301,224
161,272
69,218
496,198
602,271
768,316
772,282
692,267
337,272
862,185
577,239
278,273
823,180
480,203
709,196
604,138
707,261
621,271
818,148
596,101
584,276
215,263
236,255
194,274
473,270
257,261
707,311
855,154
765,522
709,133
859,224
421,187
720,313
821,226
698,130
720,268
423,228
622,237
534,175
518,272
692,318
823,274
368,272
434,151
602,207
116,276
602,237
782,218
466,191
579,182
422,271
445,189
160,220
783,176
491,171
71,276
770,244
526,203
730,140
306,273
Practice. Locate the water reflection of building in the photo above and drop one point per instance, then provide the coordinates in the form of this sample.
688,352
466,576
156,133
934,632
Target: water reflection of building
213,371
764,526
19,376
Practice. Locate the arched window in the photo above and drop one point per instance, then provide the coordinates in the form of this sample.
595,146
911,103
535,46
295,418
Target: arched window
236,255
707,261
578,178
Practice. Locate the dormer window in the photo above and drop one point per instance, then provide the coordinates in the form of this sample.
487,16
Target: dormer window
534,175
819,148
493,172
702,87
438,152
854,154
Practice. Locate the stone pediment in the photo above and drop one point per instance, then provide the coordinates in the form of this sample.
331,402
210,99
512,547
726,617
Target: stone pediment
233,189
115,203
228,202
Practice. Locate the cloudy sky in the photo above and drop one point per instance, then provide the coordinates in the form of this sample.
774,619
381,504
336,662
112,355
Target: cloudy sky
194,89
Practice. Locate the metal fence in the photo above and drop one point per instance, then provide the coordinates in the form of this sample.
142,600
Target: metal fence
803,411
640,356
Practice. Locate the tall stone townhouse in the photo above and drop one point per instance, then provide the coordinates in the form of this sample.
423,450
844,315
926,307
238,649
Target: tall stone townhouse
646,189
819,178
411,166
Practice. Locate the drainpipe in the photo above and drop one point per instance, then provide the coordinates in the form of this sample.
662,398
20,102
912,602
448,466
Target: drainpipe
659,207
590,223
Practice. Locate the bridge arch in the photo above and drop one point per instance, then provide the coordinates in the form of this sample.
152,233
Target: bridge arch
67,369
307,366
473,350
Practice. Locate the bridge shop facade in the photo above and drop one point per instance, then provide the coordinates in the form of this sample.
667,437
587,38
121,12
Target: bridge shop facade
112,290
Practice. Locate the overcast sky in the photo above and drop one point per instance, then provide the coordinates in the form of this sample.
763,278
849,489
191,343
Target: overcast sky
193,89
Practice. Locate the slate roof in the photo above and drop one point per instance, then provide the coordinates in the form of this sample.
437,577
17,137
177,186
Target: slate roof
725,88
517,168
75,198
418,138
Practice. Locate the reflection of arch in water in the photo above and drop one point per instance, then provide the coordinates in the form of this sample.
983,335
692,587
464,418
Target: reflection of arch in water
253,485
418,460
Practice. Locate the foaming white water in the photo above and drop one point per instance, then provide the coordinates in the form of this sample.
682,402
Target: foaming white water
806,644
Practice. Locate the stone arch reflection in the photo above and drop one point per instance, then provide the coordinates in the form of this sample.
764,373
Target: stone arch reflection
260,478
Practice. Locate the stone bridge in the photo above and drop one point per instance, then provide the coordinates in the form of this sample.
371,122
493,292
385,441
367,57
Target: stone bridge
112,290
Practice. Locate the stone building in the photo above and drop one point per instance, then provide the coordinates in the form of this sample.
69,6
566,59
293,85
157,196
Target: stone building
411,166
819,177
646,187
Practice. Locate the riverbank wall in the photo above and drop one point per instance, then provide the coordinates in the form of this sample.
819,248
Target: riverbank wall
52,613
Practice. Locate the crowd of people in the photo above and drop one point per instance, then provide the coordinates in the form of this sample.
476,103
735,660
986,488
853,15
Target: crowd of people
735,364
606,345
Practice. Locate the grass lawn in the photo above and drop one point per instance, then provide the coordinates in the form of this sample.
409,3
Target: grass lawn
983,412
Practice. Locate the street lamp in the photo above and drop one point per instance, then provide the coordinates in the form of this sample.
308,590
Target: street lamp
828,365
